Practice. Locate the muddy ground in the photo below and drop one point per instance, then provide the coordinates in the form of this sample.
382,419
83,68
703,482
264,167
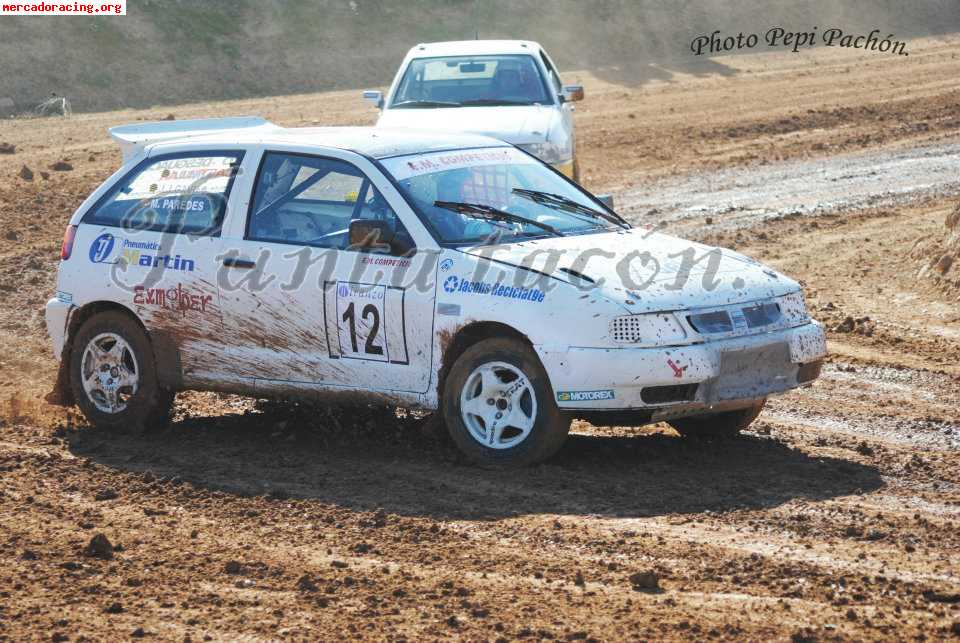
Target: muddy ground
836,517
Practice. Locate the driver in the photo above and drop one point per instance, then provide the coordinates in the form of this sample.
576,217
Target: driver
515,83
449,187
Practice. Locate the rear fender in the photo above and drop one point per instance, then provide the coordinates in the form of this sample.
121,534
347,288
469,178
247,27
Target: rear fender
166,353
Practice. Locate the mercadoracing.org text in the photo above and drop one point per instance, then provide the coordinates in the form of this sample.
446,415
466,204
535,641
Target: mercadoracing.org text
115,8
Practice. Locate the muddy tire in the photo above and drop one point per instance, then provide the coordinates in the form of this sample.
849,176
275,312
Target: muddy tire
113,375
720,425
498,405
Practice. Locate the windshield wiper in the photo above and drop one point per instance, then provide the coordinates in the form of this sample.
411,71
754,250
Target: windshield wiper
425,103
568,204
494,101
490,213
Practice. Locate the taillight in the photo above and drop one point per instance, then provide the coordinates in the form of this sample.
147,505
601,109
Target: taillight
67,246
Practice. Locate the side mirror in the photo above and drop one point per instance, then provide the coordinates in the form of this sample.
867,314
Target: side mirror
374,97
572,93
606,199
370,234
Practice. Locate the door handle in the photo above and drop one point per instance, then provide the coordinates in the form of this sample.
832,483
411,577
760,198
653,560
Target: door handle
236,262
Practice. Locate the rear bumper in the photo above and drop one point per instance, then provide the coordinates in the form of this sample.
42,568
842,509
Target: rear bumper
57,314
673,381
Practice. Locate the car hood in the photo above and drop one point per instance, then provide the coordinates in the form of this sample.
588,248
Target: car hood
515,124
645,271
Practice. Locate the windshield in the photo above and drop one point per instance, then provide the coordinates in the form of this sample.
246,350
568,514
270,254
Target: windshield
458,81
495,195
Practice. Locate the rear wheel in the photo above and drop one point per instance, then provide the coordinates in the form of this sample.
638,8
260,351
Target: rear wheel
498,405
113,374
720,425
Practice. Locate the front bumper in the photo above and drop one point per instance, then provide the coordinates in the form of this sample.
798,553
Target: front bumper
670,381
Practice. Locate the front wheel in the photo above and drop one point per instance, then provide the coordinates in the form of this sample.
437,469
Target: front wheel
498,405
720,425
113,374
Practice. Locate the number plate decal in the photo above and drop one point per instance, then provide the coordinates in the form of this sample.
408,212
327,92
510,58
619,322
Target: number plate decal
365,321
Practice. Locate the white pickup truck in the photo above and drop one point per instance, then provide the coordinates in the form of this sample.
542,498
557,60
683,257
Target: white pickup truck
507,89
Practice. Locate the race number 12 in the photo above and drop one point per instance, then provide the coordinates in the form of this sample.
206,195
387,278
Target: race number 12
362,321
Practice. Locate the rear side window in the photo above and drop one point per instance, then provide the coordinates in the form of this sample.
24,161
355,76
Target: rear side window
181,194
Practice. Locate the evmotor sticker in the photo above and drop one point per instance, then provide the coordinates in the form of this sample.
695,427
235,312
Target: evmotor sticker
176,299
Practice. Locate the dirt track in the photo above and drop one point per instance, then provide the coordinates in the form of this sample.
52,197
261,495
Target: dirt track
837,517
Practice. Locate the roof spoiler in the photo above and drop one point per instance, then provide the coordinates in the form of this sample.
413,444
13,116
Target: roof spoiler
133,138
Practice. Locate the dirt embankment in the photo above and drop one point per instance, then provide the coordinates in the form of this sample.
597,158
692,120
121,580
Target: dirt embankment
939,255
836,517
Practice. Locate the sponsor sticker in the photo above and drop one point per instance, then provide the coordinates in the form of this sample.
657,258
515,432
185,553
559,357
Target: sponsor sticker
102,248
455,284
180,178
64,297
404,167
178,299
135,253
347,290
386,261
584,396
451,310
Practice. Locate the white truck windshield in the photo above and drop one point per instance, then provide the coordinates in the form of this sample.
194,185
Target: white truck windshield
463,81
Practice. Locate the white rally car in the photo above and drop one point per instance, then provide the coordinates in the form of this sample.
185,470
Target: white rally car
508,89
447,272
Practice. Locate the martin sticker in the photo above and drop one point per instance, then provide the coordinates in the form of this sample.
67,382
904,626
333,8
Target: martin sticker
584,396
136,253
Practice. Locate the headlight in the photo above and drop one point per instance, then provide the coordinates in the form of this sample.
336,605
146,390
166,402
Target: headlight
653,329
547,152
794,308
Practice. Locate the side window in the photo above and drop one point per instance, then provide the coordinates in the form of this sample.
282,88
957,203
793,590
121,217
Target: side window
554,76
310,200
182,194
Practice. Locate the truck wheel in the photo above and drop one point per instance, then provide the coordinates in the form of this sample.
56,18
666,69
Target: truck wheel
719,425
498,405
113,375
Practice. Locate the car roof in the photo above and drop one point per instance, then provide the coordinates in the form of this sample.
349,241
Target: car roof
376,142
473,47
